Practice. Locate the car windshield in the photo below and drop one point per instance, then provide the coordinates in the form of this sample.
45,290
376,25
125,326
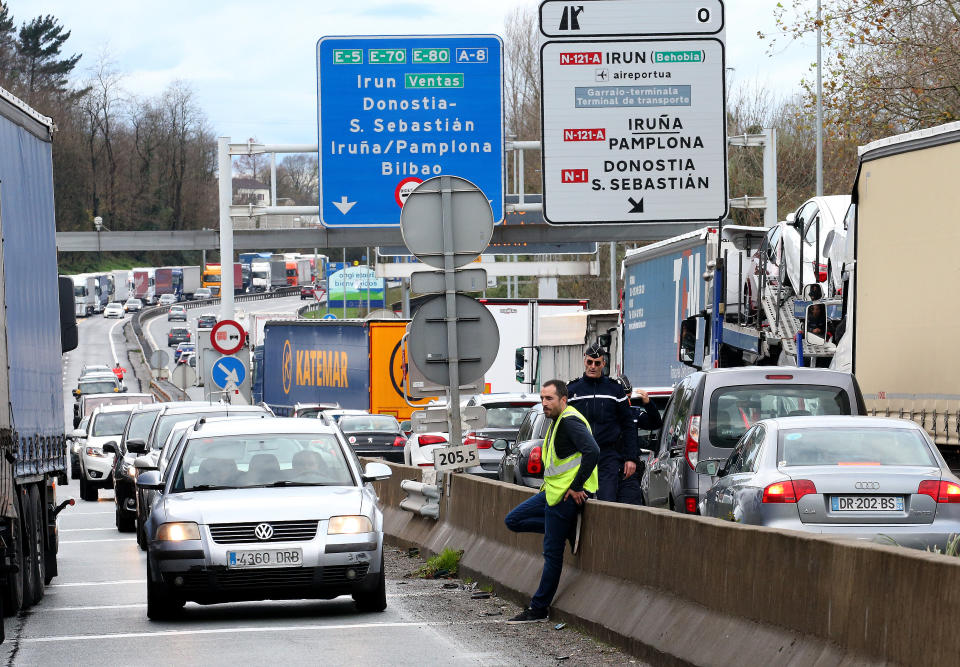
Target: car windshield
103,387
140,424
735,409
244,461
506,416
369,423
167,422
854,446
109,423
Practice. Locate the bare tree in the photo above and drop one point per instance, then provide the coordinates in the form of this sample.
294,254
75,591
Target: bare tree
522,84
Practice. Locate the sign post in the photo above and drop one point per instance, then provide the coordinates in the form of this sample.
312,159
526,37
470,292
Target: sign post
634,130
397,111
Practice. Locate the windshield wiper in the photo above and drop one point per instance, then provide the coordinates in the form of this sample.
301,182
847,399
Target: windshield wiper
285,482
209,487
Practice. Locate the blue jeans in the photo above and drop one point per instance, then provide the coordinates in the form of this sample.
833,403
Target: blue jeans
613,488
557,523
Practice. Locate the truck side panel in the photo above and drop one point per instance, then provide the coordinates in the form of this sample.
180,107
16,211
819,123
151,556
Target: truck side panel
31,295
314,362
906,266
386,370
659,292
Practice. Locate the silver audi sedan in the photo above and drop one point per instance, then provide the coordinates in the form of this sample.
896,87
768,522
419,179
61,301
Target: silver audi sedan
868,478
264,509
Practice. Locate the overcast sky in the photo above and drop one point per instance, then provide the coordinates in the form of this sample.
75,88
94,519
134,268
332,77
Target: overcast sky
253,66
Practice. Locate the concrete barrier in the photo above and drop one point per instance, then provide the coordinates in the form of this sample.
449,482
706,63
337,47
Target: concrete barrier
677,589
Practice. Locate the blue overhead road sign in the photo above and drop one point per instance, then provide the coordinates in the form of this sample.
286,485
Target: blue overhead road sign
228,372
395,111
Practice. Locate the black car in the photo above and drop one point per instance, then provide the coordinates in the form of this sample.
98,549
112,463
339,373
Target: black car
374,435
177,336
206,321
522,461
136,429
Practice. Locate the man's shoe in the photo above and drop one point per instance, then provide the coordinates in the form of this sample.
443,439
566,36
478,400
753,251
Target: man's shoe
574,538
529,615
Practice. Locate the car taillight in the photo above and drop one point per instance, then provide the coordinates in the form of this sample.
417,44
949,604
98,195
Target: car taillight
691,449
941,492
534,462
822,273
691,504
788,491
779,377
481,443
399,441
432,440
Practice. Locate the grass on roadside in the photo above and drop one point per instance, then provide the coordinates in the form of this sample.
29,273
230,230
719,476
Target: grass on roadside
444,564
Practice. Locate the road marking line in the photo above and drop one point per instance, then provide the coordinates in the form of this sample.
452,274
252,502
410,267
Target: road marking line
113,350
275,628
98,583
105,606
109,539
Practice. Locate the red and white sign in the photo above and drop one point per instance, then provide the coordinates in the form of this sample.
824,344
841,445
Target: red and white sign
227,337
581,58
585,134
404,188
575,176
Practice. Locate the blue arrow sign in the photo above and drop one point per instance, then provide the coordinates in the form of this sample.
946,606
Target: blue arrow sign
228,372
395,111
329,316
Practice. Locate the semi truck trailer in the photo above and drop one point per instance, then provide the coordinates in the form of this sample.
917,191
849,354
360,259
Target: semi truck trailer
32,423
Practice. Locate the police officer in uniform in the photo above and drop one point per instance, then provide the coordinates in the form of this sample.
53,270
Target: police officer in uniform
570,455
605,404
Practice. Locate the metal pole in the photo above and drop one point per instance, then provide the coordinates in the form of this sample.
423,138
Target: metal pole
225,168
405,297
367,280
770,177
344,283
819,106
450,283
273,179
613,275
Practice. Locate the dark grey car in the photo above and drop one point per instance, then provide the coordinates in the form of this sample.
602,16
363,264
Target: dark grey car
867,478
504,415
710,410
521,463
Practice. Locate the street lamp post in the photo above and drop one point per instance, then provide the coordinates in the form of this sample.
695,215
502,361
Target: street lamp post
819,104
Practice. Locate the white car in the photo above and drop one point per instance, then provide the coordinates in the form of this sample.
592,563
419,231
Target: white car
133,305
96,466
202,293
114,309
418,450
167,299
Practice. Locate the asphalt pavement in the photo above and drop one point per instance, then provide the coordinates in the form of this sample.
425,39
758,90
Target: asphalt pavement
94,612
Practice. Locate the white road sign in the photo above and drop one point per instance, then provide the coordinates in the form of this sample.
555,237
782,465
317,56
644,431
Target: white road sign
634,18
634,131
454,458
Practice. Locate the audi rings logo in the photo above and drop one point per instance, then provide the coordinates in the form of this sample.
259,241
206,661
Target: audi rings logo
867,486
287,367
263,531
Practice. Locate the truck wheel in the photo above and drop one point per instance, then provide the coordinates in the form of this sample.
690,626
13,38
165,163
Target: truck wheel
13,593
87,490
37,543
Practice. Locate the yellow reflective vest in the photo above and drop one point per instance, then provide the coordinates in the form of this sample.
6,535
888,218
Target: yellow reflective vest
559,474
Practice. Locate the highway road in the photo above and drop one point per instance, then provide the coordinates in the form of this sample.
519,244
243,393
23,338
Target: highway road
94,612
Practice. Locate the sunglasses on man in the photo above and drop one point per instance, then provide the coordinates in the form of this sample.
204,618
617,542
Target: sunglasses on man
594,362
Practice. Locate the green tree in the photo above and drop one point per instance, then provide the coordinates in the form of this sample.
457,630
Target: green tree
39,65
8,47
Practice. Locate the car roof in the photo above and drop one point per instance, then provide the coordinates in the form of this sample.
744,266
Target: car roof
504,397
841,421
291,425
198,406
751,373
128,407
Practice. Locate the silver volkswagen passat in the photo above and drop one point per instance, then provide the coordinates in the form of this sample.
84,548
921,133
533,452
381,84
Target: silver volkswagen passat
869,478
264,509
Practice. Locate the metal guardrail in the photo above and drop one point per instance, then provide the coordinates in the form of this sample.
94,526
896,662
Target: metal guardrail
309,308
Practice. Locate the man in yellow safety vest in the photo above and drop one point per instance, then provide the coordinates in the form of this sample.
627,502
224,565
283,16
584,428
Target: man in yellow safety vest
570,456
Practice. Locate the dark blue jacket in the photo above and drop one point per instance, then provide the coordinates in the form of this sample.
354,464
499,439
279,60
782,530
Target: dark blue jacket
604,403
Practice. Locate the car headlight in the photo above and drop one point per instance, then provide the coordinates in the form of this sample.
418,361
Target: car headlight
95,452
178,532
348,525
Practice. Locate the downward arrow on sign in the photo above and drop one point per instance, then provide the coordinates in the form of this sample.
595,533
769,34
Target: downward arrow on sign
343,205
637,205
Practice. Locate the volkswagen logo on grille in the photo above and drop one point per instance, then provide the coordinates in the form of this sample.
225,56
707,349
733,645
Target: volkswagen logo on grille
264,531
867,486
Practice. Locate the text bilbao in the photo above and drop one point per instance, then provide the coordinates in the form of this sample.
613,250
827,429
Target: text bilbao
314,368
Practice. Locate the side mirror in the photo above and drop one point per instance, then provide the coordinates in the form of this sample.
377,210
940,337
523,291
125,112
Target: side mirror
687,349
150,481
815,327
111,448
76,392
137,446
406,426
792,218
376,471
500,445
144,463
708,467
78,433
519,363
812,292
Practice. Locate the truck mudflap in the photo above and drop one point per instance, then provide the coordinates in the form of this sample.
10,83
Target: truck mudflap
8,503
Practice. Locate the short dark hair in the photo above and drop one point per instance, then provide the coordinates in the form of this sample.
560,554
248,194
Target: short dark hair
560,386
